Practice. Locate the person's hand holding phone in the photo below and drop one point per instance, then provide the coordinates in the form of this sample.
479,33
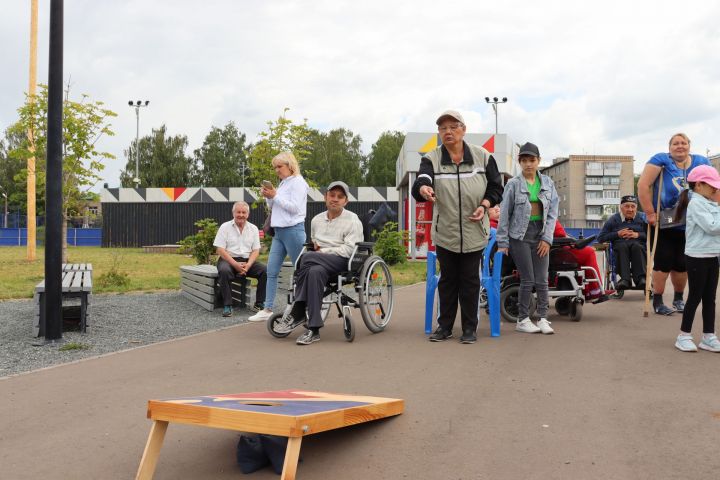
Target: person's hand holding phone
267,190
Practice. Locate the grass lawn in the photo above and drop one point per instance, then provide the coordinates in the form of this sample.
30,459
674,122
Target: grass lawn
147,271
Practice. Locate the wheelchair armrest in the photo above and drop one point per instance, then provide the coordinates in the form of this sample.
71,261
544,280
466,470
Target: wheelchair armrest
360,247
585,242
308,247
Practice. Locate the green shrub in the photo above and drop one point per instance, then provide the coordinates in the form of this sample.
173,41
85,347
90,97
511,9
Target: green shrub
114,277
389,244
200,245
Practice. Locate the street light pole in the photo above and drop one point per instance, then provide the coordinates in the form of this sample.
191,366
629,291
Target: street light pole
137,105
494,102
243,167
5,218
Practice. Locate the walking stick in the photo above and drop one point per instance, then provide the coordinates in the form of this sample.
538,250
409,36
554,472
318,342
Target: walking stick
651,253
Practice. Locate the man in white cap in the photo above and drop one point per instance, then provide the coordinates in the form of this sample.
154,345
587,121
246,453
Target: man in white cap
463,182
334,234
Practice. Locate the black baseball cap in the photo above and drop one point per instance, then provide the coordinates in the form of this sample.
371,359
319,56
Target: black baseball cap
529,149
629,198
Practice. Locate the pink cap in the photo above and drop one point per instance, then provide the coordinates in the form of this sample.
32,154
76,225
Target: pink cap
705,174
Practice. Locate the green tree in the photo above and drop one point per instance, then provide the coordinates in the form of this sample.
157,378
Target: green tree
222,159
382,159
280,136
335,155
163,162
12,169
85,122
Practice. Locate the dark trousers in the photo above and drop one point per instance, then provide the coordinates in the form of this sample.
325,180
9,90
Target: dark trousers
630,257
702,283
226,274
312,275
459,283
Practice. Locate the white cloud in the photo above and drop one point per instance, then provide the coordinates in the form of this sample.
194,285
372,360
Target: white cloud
611,77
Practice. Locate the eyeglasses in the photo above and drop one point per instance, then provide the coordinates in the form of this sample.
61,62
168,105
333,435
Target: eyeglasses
453,127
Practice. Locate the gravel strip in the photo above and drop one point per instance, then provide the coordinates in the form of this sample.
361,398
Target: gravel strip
116,322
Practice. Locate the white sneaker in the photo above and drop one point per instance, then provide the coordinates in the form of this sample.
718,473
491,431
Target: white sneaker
545,327
710,343
685,343
526,326
261,316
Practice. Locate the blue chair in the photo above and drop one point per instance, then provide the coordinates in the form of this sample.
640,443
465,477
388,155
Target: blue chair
490,282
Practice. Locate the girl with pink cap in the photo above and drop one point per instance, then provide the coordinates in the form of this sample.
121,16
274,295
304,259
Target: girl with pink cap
702,248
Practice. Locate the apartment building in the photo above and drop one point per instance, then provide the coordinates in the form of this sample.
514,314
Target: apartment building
590,187
715,160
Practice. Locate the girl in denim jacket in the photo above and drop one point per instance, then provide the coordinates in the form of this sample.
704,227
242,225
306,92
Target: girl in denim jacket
528,213
702,247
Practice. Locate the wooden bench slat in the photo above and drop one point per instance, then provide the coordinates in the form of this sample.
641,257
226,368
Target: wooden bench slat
87,281
198,278
76,285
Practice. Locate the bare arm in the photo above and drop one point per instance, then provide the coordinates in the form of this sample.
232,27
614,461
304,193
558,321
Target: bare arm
645,184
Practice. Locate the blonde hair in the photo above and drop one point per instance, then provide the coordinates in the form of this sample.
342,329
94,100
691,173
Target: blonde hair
679,134
288,159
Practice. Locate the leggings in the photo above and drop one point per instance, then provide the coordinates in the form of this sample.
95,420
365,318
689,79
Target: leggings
702,282
533,271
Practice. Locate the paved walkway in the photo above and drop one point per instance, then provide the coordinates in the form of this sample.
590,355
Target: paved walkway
608,397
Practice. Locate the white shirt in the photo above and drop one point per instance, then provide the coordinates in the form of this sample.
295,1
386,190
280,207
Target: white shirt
289,206
237,243
337,236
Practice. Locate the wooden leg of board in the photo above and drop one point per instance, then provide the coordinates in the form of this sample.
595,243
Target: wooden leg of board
292,454
152,451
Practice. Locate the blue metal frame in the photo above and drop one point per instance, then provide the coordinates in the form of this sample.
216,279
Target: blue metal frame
490,282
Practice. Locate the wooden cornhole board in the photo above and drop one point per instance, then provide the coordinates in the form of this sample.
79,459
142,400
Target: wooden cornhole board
288,413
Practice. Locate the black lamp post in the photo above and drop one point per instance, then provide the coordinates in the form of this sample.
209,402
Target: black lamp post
137,106
494,102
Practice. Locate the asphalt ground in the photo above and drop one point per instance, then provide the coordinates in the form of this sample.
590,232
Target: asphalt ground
605,398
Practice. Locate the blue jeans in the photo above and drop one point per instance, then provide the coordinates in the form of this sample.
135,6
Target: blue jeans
287,241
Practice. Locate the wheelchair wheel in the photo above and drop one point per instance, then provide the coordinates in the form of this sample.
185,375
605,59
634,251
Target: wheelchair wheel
348,328
271,322
562,305
509,304
576,310
375,294
618,294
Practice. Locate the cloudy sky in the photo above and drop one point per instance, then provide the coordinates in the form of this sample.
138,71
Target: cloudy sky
611,77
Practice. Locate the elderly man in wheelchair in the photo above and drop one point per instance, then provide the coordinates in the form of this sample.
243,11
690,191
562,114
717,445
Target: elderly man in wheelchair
337,256
625,231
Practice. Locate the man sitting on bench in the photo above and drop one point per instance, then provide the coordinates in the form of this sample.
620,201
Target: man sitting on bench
626,231
238,244
334,234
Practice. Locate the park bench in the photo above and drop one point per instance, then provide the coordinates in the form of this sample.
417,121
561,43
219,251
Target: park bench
76,283
200,285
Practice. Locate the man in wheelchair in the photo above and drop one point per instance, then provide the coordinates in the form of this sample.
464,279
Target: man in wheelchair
625,230
334,234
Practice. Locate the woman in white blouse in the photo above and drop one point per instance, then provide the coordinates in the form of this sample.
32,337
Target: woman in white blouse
288,204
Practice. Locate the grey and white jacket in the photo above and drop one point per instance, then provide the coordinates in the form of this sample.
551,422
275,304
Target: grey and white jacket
515,210
459,189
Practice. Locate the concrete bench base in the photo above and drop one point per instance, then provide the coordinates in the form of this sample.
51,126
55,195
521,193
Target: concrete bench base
199,284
